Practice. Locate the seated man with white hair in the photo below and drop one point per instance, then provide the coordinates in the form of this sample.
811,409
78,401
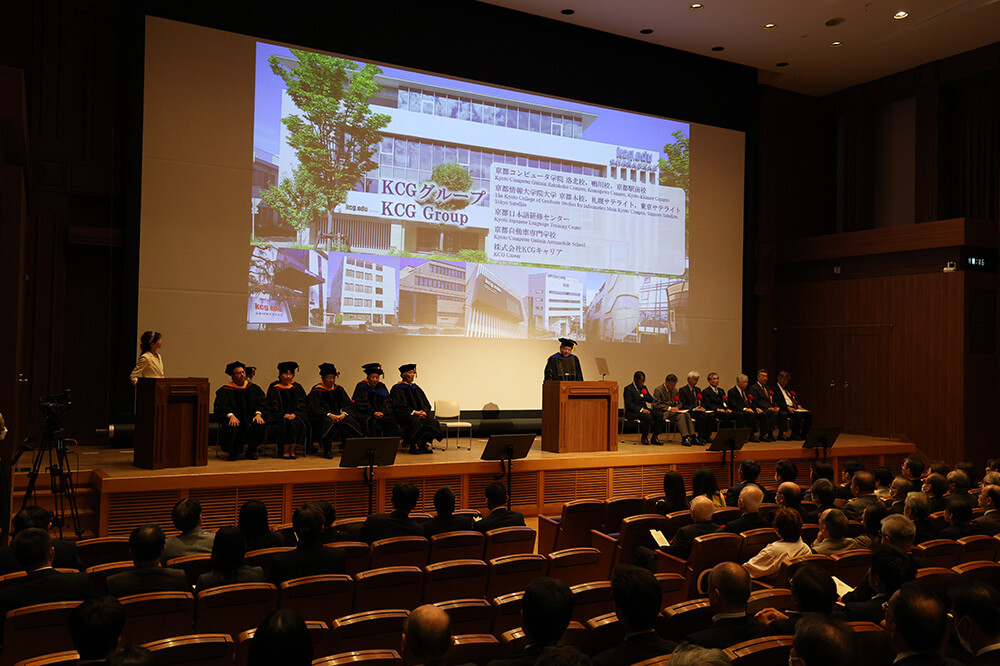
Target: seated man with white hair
750,500
701,514
691,400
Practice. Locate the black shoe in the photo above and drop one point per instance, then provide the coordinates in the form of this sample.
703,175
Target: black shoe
656,442
232,456
767,438
414,450
252,456
686,441
753,438
782,438
644,441
424,448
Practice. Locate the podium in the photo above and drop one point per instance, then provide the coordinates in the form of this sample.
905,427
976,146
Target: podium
579,416
171,422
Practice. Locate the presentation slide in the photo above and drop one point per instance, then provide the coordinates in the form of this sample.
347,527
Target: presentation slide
319,207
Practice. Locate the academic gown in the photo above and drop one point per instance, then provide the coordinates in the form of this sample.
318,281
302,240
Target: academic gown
283,400
563,368
406,398
244,402
323,401
367,401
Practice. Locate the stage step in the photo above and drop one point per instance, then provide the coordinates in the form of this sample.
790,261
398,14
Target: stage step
87,501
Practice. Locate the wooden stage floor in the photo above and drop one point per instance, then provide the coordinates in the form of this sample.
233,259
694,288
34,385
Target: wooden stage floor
542,482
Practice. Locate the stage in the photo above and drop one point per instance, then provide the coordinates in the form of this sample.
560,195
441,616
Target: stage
122,496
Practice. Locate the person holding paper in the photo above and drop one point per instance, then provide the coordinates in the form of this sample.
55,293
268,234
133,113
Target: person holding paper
691,400
789,409
330,410
564,365
639,406
667,401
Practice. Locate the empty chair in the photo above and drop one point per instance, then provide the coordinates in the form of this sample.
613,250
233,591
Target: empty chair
572,528
725,514
605,632
512,573
36,630
635,532
591,600
200,649
390,587
477,649
683,619
576,565
192,566
457,579
937,580
777,598
465,545
874,643
507,613
509,541
977,547
985,572
103,550
761,651
263,557
98,574
403,551
469,616
938,552
318,597
674,588
365,657
617,509
231,609
68,658
156,615
852,565
754,542
356,555
448,413
368,630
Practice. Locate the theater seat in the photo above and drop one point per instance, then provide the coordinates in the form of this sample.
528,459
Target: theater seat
937,580
707,550
512,573
761,651
509,541
395,587
604,632
477,649
790,566
754,542
319,633
683,619
357,554
938,552
985,572
368,630
465,545
194,649
591,600
514,642
675,521
572,528
264,557
157,615
777,598
318,597
507,613
977,548
231,609
403,551
457,579
874,643
103,550
192,566
617,509
68,658
98,574
576,565
674,588
469,616
36,630
365,657
852,565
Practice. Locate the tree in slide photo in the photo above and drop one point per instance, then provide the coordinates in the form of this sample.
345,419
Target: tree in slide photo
674,170
334,138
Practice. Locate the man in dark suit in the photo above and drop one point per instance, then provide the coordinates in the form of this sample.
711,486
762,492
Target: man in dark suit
728,593
637,596
889,570
146,544
989,502
397,522
935,486
426,636
763,403
847,472
43,584
958,487
823,640
916,622
546,610
750,499
639,407
789,496
824,494
976,609
95,627
500,515
36,516
446,521
701,514
788,410
745,414
958,514
716,401
691,399
310,557
863,488
749,471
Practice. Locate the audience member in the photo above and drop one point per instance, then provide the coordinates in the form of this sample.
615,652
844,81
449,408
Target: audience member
789,496
883,484
689,654
426,636
229,562
253,523
95,627
935,486
310,557
968,468
863,489
546,610
281,638
958,486
749,471
446,520
938,467
958,514
638,599
913,469
890,568
976,609
871,522
331,534
989,502
499,515
674,495
397,522
132,655
915,623
821,641
192,540
728,592
897,494
703,483
788,523
990,479
813,592
915,508
749,504
35,516
145,545
562,655
832,537
820,470
847,472
824,494
701,515
898,531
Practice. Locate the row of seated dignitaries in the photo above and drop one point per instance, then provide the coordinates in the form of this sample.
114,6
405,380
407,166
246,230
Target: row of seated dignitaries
697,412
327,414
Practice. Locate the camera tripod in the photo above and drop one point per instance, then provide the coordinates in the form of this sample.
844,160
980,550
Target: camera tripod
52,449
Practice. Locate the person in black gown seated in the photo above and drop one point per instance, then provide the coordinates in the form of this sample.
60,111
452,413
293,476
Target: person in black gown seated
371,403
413,412
330,410
564,366
286,399
239,409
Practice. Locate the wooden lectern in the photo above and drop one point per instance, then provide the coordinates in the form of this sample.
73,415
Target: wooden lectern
171,422
579,416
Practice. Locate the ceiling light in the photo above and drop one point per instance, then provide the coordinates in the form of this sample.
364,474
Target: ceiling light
697,5
836,43
646,31
567,12
769,26
901,14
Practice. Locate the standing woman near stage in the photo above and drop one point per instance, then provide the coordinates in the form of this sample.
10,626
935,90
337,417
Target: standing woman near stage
564,366
286,400
330,410
150,364
371,403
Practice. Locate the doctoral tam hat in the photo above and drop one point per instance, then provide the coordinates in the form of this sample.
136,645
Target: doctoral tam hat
371,368
288,366
566,342
231,368
407,367
327,369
